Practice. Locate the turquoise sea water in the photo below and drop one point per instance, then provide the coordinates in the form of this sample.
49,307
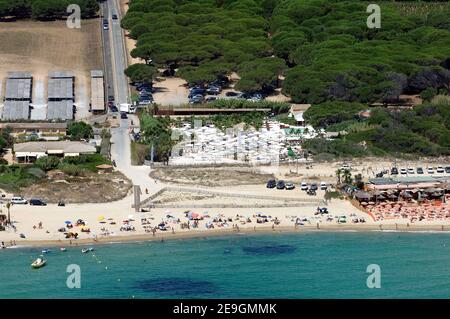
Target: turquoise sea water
303,265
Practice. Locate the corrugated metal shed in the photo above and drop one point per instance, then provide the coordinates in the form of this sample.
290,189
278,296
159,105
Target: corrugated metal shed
61,75
96,74
97,91
60,89
62,110
18,89
16,110
19,75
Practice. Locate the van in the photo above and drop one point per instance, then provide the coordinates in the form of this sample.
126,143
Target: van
18,200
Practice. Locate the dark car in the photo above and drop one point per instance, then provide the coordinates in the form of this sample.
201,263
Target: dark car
314,187
114,16
143,86
271,183
394,171
123,115
37,202
114,108
281,185
232,93
419,170
447,169
197,99
196,91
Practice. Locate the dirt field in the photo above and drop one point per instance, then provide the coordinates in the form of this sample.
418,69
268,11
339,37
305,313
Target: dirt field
40,47
90,188
210,176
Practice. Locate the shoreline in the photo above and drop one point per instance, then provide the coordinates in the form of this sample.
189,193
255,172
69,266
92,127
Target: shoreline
401,228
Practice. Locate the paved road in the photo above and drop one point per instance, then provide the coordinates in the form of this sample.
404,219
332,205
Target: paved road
120,150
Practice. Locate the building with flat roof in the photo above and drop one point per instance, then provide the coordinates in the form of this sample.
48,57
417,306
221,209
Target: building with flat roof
61,89
16,110
29,152
97,92
61,95
40,130
60,110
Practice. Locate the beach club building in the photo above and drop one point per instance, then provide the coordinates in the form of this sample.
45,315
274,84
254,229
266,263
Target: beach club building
29,152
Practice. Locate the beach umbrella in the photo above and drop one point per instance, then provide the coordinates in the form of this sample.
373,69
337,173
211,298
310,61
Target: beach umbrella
67,222
101,218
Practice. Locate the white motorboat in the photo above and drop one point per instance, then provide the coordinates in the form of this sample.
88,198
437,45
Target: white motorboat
84,250
38,263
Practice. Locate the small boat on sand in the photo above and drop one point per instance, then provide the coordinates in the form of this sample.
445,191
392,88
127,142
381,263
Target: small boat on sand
38,263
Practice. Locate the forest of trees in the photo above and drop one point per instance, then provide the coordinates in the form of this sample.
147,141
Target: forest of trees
319,52
323,47
45,9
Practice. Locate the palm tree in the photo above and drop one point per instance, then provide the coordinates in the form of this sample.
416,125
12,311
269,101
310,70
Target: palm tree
8,206
347,176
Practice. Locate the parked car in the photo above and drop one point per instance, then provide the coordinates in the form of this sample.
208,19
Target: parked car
123,115
419,170
345,166
196,99
213,90
271,183
313,187
430,170
37,202
403,171
394,171
232,93
410,170
304,186
289,186
323,186
18,200
256,97
114,108
281,185
114,17
440,169
196,91
447,169
146,92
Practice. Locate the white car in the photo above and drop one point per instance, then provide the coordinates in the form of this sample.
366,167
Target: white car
19,200
440,169
303,186
430,170
403,171
323,186
411,170
345,167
